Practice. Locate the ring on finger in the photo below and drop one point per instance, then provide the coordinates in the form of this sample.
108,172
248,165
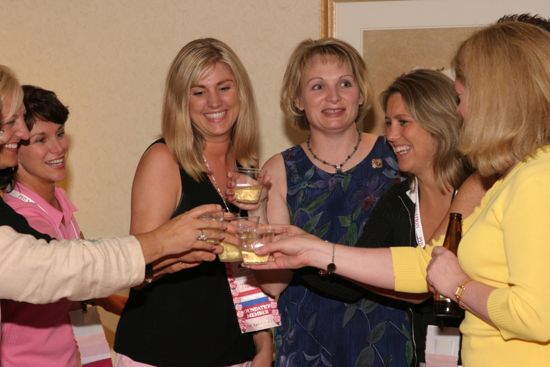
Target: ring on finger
202,236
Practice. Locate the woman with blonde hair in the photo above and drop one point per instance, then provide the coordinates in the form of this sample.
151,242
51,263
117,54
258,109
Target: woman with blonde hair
209,126
422,127
328,186
500,276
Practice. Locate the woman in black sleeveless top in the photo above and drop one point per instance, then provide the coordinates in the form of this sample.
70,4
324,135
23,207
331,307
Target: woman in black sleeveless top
209,126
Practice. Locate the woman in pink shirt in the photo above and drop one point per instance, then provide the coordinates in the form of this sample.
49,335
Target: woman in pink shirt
41,335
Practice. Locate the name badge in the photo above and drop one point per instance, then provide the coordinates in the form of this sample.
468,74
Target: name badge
255,310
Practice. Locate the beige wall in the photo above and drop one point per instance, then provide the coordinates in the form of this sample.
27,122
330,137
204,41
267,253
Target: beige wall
107,60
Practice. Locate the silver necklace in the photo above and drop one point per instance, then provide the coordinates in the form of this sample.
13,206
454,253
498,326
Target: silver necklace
214,183
337,167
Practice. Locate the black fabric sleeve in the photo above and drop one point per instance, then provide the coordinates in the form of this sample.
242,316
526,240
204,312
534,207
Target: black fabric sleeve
9,217
391,221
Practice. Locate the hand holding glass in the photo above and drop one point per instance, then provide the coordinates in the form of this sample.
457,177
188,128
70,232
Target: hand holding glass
216,217
231,252
262,234
248,185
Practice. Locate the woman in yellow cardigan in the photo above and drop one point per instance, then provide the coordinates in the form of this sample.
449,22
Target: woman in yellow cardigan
503,266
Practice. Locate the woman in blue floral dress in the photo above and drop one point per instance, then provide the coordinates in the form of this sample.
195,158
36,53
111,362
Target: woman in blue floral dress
328,186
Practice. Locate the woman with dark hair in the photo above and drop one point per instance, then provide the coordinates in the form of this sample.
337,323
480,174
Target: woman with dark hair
43,334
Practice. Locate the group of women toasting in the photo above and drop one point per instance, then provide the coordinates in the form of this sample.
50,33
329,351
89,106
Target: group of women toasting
361,216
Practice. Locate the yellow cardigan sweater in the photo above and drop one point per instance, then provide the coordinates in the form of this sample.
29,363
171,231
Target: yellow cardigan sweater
506,245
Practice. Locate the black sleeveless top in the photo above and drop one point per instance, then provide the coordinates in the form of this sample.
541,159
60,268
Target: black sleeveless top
187,318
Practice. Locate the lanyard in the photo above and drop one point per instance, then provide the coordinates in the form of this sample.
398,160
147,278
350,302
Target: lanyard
415,198
24,198
418,232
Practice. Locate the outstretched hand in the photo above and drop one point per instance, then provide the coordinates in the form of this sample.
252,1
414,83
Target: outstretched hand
291,249
183,233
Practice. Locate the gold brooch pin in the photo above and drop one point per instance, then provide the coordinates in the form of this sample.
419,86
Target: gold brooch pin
376,163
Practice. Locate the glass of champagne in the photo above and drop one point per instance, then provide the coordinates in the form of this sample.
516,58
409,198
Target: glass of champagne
248,186
231,252
218,217
251,240
265,234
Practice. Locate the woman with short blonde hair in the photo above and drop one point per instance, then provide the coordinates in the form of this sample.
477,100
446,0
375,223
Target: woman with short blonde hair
328,185
324,48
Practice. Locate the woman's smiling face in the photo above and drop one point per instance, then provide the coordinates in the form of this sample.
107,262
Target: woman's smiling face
42,160
329,94
414,147
14,130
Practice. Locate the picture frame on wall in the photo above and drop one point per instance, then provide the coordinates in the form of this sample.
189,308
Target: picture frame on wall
396,36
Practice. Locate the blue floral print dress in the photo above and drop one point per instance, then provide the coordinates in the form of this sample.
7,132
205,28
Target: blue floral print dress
328,321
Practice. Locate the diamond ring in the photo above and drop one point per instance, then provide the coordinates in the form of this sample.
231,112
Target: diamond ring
202,236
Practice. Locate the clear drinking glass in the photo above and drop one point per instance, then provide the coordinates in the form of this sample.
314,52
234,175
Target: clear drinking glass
231,251
248,186
252,238
248,250
218,217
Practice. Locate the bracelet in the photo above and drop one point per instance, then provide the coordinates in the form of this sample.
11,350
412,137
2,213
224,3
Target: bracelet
459,292
331,268
149,273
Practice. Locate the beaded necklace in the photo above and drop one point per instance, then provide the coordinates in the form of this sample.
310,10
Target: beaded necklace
337,167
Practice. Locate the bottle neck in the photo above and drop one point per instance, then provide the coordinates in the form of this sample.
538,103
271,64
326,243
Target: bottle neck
454,232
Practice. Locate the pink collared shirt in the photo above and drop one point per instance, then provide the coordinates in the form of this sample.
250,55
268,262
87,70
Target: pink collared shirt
40,335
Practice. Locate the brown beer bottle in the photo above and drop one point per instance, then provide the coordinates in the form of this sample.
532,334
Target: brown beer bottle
443,306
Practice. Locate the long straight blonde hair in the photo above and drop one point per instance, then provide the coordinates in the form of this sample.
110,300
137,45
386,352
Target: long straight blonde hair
193,61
